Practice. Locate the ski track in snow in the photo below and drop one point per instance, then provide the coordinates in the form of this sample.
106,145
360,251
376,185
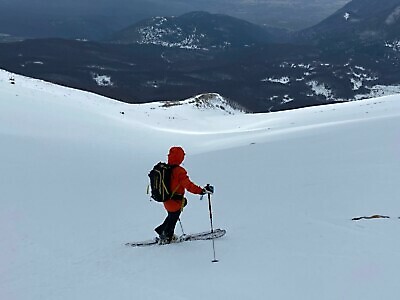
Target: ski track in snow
74,175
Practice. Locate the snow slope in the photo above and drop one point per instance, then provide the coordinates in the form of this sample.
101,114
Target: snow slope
73,179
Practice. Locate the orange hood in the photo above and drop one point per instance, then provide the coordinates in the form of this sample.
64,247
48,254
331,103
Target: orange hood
176,156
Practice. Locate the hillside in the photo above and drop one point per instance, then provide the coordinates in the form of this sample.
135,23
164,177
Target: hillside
353,54
73,181
195,30
358,22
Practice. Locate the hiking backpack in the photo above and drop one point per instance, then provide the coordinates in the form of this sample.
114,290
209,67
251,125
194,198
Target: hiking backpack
160,179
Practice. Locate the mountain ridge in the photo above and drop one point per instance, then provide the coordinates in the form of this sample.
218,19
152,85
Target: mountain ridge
261,76
194,30
365,21
84,19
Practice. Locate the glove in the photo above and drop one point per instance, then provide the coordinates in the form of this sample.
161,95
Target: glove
208,189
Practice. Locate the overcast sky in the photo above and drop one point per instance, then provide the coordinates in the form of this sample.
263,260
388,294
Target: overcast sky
102,5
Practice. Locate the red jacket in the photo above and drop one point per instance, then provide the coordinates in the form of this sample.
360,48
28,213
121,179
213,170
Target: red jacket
179,180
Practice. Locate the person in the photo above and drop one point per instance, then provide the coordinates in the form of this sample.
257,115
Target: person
179,183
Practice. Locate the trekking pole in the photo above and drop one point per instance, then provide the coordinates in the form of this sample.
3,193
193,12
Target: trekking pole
180,223
212,227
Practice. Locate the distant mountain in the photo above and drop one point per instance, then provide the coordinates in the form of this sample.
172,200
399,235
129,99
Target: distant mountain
195,30
96,20
352,55
359,22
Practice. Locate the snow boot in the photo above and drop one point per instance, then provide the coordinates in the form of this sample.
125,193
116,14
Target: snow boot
168,240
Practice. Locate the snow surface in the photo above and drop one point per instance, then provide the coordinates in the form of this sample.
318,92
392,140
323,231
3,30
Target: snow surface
74,174
102,80
393,17
320,89
159,34
395,45
282,80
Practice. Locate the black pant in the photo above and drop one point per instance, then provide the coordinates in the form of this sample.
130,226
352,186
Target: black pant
168,226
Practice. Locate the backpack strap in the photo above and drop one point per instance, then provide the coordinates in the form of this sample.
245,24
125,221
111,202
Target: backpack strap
174,191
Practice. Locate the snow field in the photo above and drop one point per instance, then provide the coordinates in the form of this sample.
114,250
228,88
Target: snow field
73,189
